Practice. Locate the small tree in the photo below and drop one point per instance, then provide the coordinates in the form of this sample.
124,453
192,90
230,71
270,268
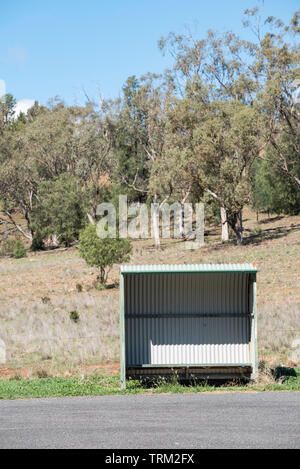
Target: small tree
19,250
102,253
58,210
272,190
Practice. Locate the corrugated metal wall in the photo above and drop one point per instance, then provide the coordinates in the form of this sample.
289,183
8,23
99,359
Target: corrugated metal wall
187,318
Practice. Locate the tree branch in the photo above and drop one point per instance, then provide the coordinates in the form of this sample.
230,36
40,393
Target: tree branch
17,226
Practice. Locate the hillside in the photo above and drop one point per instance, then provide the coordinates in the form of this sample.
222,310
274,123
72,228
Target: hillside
38,293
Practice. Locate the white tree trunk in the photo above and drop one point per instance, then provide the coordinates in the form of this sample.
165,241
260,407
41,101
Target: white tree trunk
155,224
54,241
225,233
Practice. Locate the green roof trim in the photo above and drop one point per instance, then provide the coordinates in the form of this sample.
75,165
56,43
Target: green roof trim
187,268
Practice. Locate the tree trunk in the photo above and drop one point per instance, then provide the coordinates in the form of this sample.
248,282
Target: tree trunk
239,229
236,223
102,276
17,226
225,234
26,215
239,237
241,221
54,241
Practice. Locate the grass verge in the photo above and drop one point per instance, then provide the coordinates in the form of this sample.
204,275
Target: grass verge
110,385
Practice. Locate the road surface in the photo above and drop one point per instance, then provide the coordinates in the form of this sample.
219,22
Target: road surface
222,420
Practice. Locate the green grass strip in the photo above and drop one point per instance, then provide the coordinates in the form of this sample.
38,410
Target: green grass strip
106,385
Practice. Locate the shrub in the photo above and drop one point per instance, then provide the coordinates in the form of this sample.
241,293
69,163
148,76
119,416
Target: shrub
59,210
15,377
45,299
41,373
99,286
19,250
7,247
74,316
79,287
37,243
102,253
257,229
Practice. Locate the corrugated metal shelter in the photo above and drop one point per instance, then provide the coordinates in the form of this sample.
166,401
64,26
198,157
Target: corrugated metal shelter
197,319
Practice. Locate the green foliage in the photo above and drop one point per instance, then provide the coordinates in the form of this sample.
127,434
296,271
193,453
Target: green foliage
41,373
257,230
20,250
7,247
45,144
212,211
99,286
102,253
189,135
130,141
45,300
273,191
7,110
108,385
254,79
79,287
37,242
59,210
227,141
74,316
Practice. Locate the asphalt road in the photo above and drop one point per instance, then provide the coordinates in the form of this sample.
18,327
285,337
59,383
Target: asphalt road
235,420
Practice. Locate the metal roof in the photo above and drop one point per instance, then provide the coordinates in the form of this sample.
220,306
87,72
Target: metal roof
187,268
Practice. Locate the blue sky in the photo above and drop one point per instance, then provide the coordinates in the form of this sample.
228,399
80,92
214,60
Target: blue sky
54,47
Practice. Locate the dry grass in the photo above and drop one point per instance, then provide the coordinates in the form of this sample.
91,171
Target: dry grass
267,378
40,336
278,326
41,332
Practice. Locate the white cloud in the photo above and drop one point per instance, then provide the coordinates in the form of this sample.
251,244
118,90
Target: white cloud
23,105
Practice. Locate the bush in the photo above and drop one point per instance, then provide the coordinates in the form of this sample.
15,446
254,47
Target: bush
102,253
37,243
59,210
41,373
272,190
7,247
19,250
74,316
45,300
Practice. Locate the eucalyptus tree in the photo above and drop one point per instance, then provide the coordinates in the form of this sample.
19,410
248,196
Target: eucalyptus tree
227,143
143,123
212,77
276,61
7,110
271,190
252,79
130,139
50,142
94,160
38,150
58,210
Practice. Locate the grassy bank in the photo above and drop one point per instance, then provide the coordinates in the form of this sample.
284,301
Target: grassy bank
110,385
